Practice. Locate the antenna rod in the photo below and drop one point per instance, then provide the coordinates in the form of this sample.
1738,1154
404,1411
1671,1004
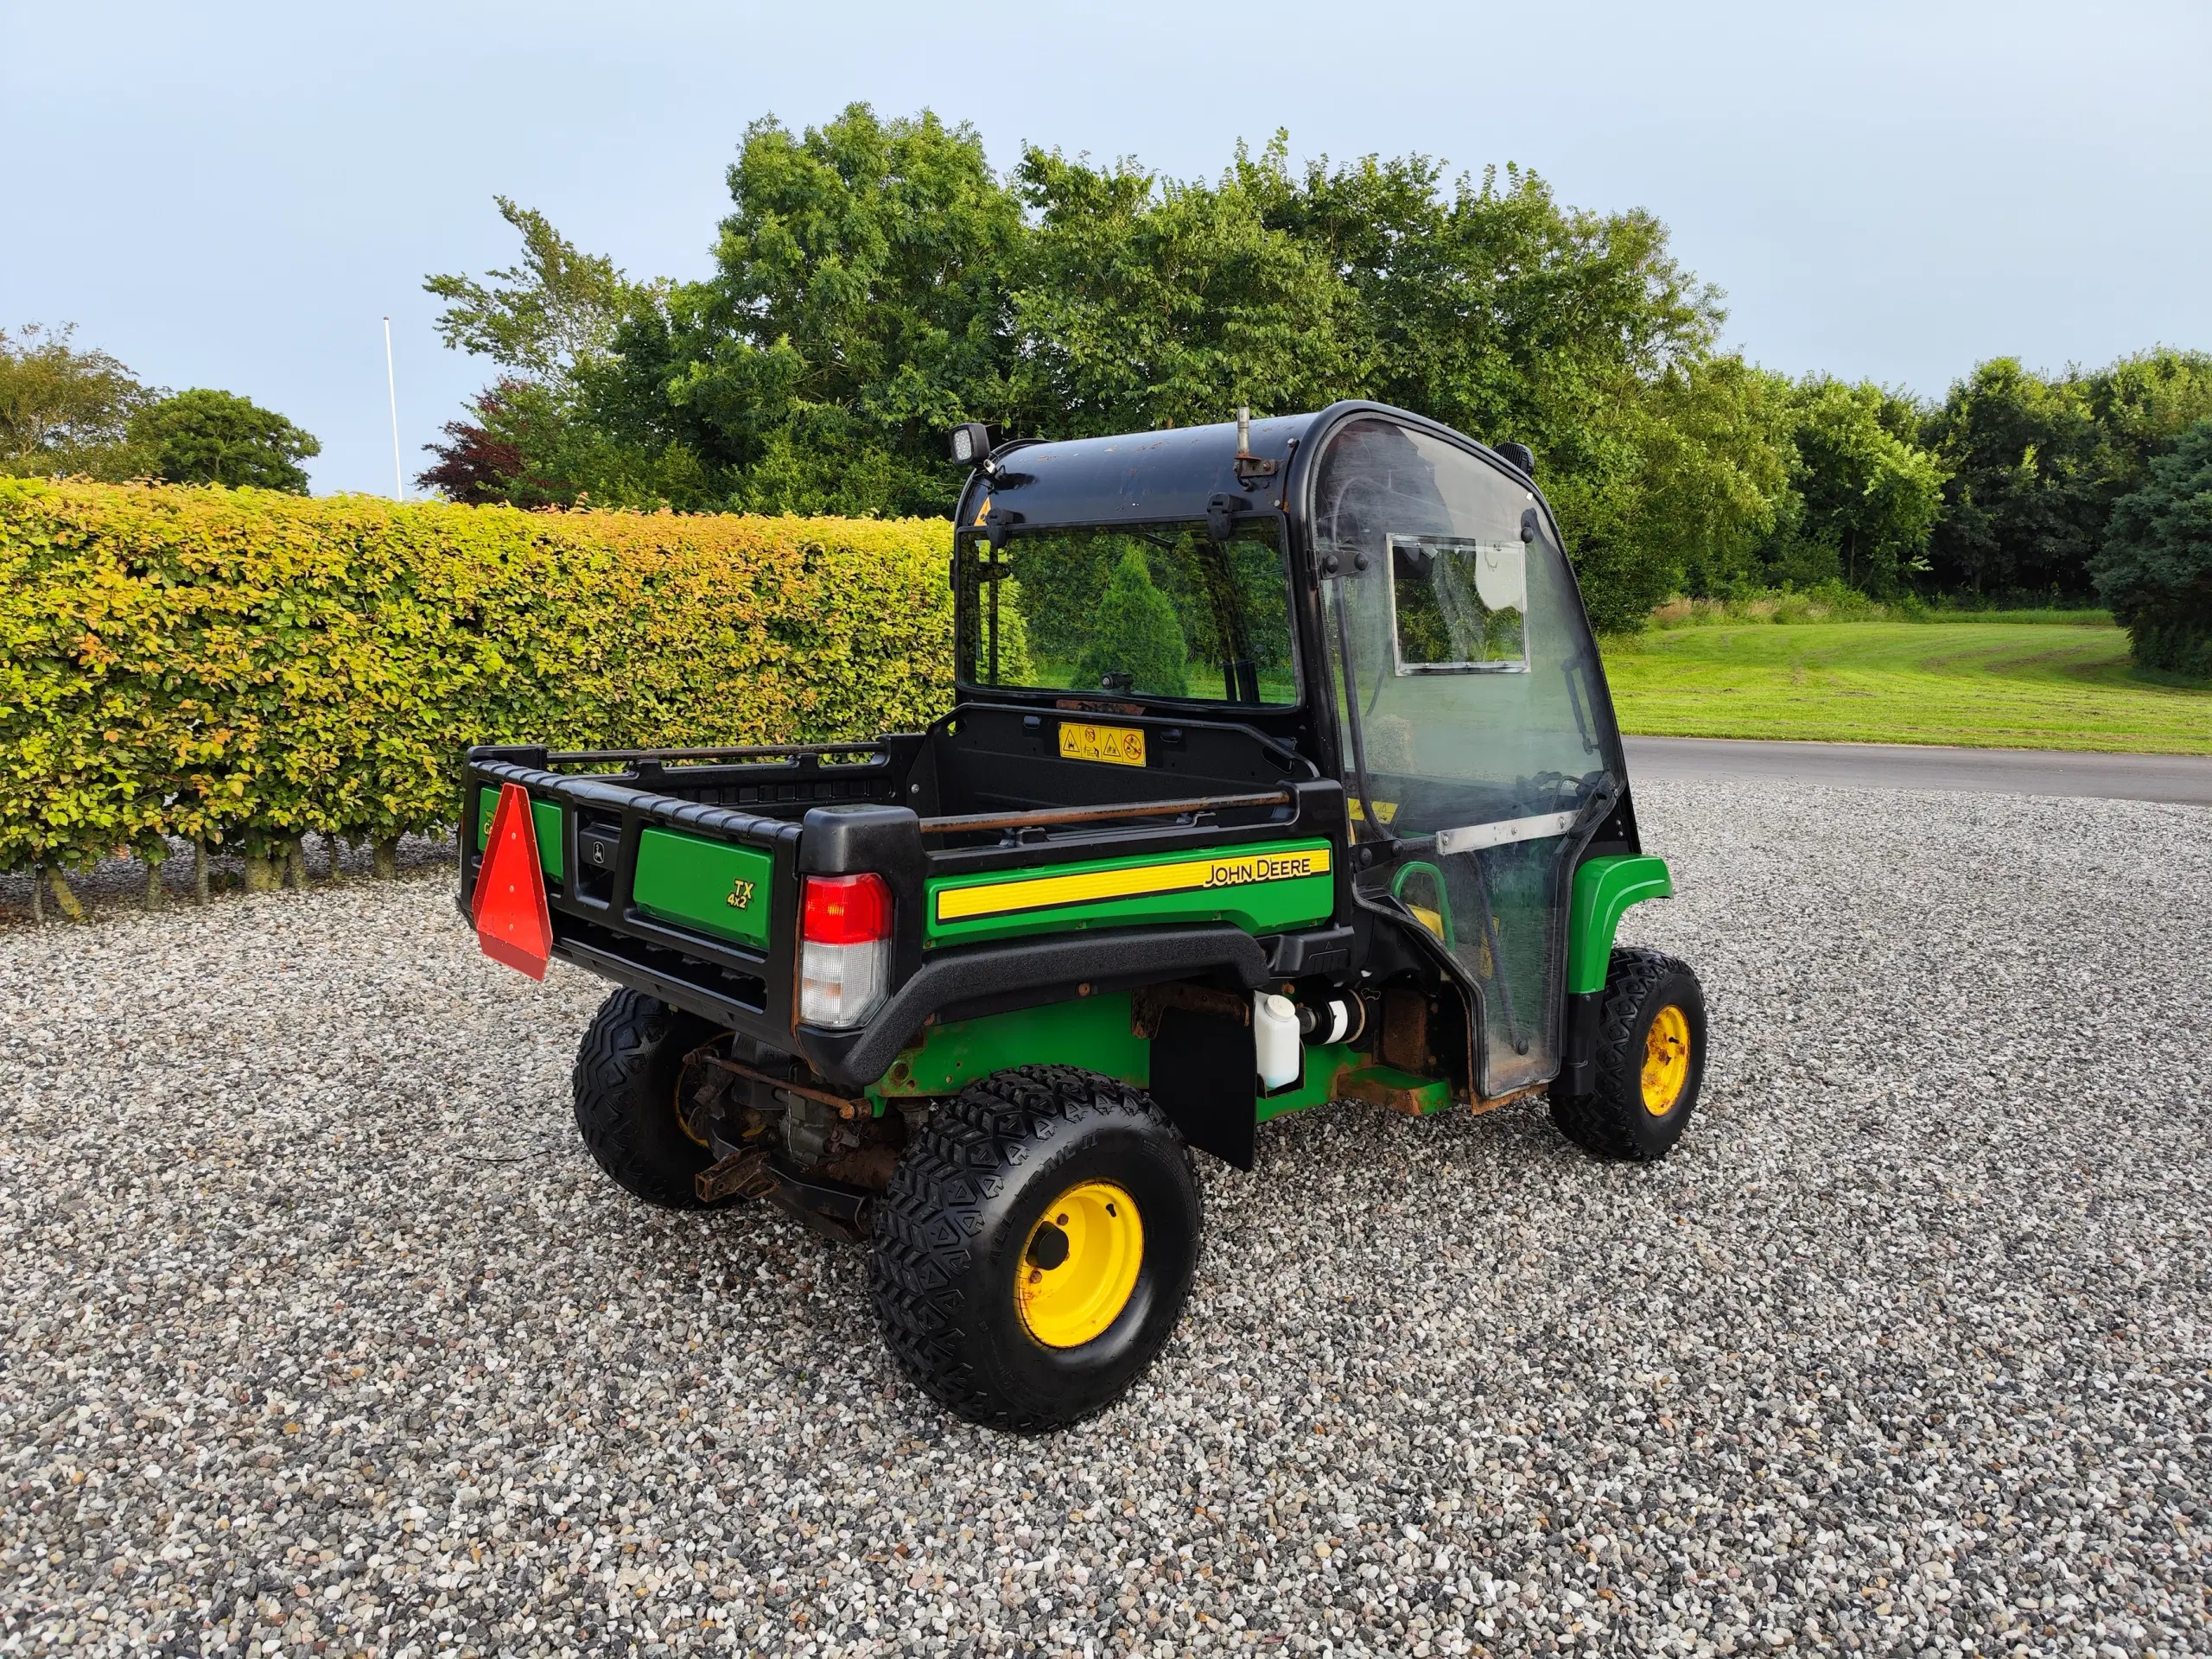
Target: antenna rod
391,385
1244,429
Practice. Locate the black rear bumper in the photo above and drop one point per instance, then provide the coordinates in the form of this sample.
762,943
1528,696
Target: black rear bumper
598,926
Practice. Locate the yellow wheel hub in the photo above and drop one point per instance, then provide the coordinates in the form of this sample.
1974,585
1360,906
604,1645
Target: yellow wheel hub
1079,1265
1666,1060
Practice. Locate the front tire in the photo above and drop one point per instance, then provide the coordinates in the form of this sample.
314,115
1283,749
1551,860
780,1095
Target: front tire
625,1080
1650,1061
1035,1247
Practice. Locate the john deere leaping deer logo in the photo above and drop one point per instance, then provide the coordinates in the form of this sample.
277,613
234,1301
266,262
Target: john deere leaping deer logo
740,895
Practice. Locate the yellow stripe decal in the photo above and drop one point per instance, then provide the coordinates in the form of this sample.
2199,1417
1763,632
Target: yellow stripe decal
1039,892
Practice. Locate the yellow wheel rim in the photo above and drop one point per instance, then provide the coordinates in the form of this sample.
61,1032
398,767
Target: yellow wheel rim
1666,1060
675,1098
1079,1265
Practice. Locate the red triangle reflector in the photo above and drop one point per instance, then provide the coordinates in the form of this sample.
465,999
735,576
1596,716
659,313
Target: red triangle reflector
512,924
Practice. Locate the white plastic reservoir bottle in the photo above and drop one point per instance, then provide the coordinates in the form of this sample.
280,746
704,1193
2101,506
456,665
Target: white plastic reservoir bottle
1274,1040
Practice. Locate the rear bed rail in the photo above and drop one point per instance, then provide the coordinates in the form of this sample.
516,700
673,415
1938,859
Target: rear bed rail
592,829
655,879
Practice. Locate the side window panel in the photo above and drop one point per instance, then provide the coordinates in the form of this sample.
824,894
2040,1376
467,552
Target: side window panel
1457,606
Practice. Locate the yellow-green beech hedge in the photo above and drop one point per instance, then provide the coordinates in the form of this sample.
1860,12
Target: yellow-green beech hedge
239,667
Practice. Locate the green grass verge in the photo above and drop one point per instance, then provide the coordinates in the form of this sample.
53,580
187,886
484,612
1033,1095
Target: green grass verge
2030,684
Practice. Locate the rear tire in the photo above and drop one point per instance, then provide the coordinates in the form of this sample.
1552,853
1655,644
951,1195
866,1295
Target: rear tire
1650,1061
1035,1247
626,1082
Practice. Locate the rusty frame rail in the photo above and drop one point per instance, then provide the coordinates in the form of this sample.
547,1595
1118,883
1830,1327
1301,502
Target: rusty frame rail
1048,815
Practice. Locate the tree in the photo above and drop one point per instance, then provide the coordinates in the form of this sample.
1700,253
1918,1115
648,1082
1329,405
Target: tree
205,436
2027,498
64,411
481,460
555,311
1679,484
1134,631
877,283
549,324
2155,571
857,311
1138,302
2142,404
1867,496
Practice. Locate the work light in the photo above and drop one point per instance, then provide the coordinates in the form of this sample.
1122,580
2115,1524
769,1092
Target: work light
971,444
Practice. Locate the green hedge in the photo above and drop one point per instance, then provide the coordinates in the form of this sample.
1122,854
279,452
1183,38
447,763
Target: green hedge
239,667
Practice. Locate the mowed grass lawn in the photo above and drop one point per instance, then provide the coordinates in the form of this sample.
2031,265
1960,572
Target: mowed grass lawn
2032,685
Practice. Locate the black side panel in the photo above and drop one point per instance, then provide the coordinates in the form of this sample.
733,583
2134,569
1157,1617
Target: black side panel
1001,757
1579,1076
1617,836
1024,974
1203,1069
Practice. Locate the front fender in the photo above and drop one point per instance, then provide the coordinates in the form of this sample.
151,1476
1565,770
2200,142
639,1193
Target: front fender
1604,889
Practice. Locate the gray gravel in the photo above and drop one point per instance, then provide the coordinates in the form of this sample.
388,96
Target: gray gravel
320,1329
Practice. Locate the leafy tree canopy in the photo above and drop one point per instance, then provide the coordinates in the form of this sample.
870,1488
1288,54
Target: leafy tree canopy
554,312
205,436
2037,463
1866,495
66,411
876,282
2155,569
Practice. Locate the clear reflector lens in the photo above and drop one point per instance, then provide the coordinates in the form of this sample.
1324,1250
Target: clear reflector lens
840,985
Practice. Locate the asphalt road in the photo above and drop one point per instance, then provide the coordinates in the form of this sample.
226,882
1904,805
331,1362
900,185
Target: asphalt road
2185,779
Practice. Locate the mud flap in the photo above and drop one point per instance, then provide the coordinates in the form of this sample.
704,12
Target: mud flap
1205,1077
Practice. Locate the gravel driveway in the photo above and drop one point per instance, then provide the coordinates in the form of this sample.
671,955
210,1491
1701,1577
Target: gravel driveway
320,1329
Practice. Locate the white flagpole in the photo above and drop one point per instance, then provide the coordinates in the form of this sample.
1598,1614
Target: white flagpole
391,385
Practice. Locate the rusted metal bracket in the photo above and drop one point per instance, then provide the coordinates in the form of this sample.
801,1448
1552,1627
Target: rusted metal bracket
1405,1031
847,1107
1147,1004
1493,1102
742,1175
698,1102
1249,466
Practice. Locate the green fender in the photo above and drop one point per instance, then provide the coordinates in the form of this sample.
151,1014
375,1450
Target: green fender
1604,888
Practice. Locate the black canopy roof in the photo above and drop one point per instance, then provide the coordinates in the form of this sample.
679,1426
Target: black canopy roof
1165,474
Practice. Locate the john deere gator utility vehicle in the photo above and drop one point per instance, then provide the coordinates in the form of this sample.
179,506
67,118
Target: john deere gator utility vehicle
1280,770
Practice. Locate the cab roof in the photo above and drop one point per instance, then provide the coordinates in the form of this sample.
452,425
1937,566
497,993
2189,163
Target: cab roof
1168,474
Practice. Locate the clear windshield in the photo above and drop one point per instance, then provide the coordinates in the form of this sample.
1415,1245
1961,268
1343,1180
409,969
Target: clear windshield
1466,689
1471,677
1145,610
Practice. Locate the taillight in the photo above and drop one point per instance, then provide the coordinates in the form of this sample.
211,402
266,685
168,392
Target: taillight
844,964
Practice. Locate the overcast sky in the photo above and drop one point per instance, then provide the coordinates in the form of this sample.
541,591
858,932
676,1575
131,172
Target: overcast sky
233,195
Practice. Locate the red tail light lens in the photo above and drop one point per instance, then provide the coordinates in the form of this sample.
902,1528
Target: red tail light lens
846,910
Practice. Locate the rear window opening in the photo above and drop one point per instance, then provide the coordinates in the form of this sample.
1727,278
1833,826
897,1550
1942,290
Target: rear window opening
1160,611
